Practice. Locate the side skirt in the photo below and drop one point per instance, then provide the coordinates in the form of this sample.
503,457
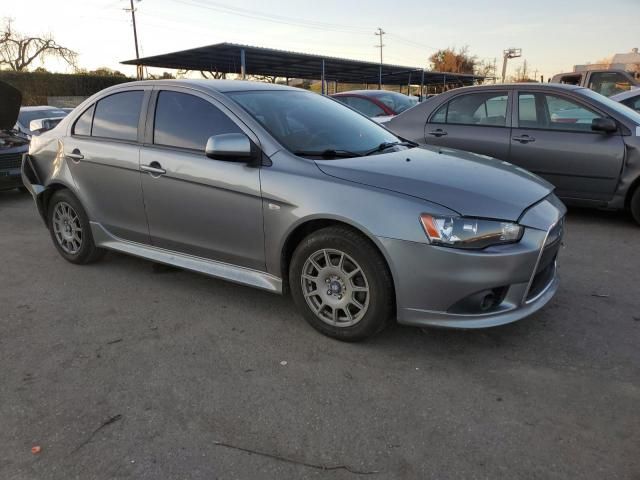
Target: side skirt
224,271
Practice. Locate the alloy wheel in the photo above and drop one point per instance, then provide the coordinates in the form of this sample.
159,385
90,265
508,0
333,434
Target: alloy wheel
335,288
67,228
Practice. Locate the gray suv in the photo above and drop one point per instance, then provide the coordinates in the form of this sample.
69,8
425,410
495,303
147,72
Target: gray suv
289,191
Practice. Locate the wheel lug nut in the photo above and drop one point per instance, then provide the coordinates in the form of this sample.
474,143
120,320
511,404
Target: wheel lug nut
328,292
339,297
326,280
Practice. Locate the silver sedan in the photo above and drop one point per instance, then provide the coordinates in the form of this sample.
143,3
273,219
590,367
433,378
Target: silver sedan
288,191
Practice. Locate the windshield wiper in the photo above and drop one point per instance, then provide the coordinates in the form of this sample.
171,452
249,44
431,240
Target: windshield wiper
383,146
329,153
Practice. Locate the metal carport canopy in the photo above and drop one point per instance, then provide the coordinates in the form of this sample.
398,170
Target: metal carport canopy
231,57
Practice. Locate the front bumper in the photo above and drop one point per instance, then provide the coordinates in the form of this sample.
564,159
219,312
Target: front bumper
447,287
10,171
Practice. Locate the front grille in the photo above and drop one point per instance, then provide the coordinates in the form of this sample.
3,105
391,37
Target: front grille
10,161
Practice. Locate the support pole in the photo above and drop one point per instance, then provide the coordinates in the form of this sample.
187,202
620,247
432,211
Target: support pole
335,87
409,85
322,78
422,85
135,39
243,65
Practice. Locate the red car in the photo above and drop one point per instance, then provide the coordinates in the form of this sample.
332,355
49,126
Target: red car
379,105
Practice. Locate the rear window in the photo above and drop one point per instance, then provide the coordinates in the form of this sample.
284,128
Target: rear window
117,116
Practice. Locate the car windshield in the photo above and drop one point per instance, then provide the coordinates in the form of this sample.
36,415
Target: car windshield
396,101
630,113
310,124
26,116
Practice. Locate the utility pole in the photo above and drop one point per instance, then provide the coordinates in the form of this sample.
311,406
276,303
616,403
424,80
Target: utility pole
509,53
380,33
135,38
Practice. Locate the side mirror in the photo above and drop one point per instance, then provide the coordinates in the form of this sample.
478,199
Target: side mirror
232,147
41,125
605,125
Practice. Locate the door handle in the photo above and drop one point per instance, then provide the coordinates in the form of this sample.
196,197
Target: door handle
438,132
75,155
154,168
524,139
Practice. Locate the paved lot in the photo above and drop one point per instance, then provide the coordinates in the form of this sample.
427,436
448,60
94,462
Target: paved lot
123,370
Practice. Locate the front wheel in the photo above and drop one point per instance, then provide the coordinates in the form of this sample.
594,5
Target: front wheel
342,284
70,229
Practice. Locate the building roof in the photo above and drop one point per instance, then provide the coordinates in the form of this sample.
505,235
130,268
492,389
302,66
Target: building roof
227,58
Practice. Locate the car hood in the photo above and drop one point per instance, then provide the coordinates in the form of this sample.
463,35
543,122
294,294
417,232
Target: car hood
10,101
472,185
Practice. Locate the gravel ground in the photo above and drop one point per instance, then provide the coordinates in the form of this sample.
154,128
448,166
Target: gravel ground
125,370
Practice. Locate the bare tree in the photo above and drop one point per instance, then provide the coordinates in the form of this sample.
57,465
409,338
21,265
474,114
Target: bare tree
18,51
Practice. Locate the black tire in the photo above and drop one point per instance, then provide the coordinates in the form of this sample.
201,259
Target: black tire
635,205
87,252
380,296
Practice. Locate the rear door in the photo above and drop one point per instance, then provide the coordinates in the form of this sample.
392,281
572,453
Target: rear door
477,122
552,137
197,205
103,157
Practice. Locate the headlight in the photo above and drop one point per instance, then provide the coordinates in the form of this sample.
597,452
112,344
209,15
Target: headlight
461,232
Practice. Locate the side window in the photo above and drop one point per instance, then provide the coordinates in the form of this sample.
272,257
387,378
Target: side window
441,115
479,109
117,116
527,111
366,107
609,83
187,121
566,114
550,112
83,124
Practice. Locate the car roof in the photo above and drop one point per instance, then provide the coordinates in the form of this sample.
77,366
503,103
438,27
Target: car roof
222,86
528,85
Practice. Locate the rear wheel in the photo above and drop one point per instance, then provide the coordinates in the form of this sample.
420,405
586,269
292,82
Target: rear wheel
341,284
70,229
635,205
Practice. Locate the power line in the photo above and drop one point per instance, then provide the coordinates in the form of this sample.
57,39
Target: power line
257,15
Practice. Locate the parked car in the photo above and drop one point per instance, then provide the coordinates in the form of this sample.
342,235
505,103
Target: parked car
605,82
586,144
43,118
12,143
286,190
630,98
380,105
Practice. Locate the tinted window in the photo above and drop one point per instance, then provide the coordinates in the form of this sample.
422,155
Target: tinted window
364,106
186,121
117,116
307,122
83,124
477,109
609,83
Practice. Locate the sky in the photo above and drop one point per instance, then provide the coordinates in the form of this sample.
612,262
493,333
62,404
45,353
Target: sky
554,35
